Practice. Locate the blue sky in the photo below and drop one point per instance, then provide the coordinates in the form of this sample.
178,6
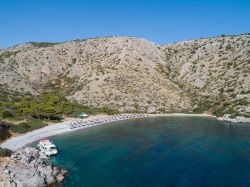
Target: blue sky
156,20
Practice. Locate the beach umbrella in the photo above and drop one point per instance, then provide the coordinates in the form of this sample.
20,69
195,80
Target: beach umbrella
83,115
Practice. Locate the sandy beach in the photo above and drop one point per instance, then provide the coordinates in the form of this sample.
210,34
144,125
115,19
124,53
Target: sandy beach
18,142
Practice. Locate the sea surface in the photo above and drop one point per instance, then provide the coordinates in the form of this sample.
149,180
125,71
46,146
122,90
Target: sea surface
162,151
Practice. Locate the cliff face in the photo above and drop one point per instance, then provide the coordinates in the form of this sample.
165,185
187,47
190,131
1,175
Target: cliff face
132,74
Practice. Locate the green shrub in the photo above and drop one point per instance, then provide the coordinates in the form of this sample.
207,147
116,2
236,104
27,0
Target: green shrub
7,54
5,152
48,106
6,114
42,44
218,111
162,110
108,111
228,47
27,126
4,131
232,115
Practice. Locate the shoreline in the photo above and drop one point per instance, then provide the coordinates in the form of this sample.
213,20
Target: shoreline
17,142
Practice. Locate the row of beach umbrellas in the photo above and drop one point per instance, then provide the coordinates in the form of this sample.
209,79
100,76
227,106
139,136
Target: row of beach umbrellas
96,121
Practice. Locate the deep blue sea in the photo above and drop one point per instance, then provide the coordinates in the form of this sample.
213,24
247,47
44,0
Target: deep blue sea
163,151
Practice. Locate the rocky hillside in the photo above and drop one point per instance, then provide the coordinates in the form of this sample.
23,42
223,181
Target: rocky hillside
131,74
215,72
118,72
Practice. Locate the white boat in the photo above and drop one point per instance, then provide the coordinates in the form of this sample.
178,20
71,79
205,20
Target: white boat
47,147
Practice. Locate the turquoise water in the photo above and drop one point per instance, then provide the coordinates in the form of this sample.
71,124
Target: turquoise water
164,151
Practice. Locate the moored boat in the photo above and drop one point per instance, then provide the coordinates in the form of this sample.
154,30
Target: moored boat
47,147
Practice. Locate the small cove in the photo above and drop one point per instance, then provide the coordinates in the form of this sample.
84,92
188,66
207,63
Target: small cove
160,151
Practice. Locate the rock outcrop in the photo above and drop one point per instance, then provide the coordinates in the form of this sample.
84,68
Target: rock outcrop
28,168
237,119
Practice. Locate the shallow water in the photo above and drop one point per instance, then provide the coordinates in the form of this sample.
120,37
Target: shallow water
163,151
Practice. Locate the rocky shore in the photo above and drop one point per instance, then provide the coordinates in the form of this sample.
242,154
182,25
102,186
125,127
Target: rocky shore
27,167
237,119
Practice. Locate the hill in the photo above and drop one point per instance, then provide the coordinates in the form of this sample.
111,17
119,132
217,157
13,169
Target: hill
135,75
